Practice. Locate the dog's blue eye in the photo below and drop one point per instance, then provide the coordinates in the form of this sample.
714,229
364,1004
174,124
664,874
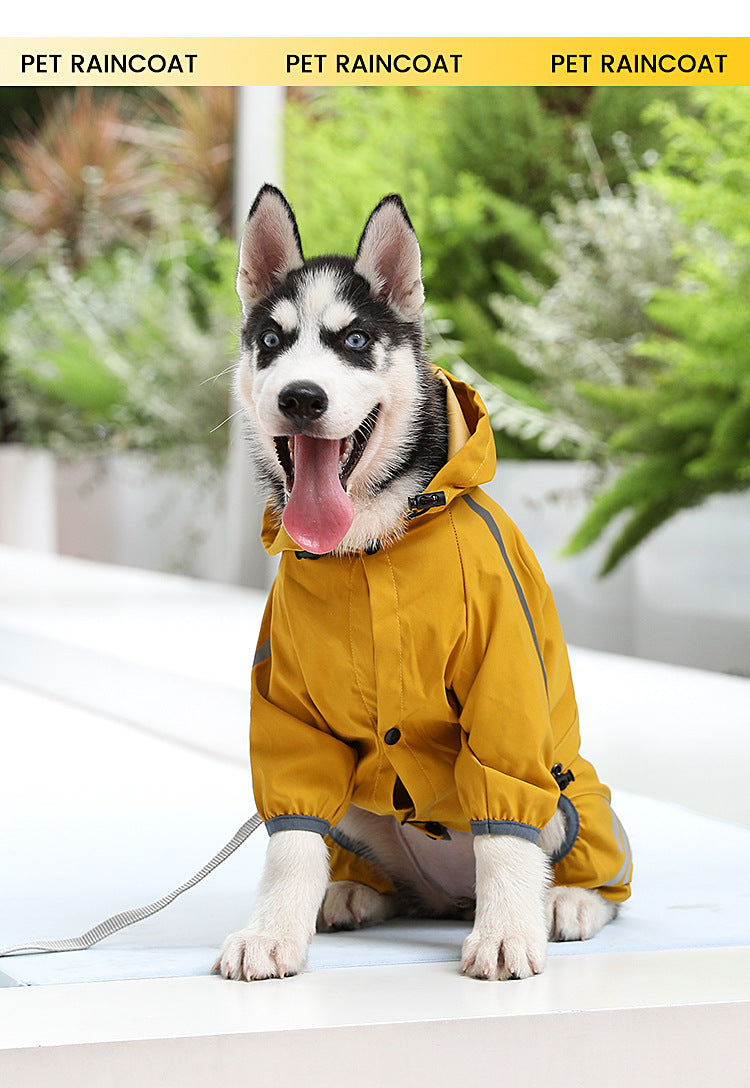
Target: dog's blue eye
357,340
270,339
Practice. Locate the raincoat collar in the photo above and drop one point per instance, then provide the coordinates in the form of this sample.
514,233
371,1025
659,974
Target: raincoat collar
471,460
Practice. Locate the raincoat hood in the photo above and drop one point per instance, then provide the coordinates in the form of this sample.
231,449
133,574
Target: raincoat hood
471,458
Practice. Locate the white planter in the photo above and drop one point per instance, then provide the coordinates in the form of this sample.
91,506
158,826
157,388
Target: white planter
27,498
120,510
682,597
693,588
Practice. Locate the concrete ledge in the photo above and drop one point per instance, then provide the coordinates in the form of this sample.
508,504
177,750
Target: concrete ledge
655,1018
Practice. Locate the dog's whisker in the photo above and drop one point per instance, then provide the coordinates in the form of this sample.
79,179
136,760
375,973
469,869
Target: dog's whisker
215,377
238,412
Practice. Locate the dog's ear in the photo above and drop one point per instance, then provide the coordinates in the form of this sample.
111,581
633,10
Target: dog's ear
270,246
388,257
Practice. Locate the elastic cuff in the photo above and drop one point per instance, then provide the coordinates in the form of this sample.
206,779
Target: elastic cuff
297,823
505,827
572,827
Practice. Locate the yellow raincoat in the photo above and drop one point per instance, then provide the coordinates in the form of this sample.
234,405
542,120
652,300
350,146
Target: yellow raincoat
428,680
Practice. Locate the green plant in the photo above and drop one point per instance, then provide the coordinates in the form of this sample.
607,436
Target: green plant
75,184
346,148
22,109
12,293
613,111
121,354
506,137
118,290
686,434
191,137
610,253
521,418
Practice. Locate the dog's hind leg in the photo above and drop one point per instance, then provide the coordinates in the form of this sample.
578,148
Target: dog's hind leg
350,905
573,913
576,914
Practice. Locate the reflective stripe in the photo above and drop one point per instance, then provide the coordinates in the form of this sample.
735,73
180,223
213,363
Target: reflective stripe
489,521
624,844
262,653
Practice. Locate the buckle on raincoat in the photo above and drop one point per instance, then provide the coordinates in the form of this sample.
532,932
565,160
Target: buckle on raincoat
428,500
563,778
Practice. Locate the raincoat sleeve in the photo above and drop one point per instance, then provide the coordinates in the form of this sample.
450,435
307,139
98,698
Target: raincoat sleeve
503,770
302,775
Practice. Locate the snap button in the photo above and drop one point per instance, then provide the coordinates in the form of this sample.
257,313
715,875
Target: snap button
393,736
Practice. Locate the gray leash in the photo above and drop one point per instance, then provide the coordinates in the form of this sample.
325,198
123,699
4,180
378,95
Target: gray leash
128,917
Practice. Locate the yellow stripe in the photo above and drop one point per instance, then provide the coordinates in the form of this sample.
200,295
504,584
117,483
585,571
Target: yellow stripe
428,61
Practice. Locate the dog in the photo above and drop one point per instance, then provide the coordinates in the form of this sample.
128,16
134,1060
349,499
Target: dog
414,735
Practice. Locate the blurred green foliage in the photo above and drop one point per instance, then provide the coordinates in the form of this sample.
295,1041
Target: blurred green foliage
508,139
122,353
685,434
480,169
117,301
586,256
586,260
22,111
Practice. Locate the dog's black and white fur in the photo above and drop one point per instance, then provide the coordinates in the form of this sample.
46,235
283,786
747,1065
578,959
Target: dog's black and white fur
332,348
311,309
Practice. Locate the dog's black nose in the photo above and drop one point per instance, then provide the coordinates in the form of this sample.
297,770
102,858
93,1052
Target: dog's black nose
302,402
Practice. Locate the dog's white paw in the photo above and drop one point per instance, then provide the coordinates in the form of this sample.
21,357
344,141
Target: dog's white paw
576,914
509,938
495,956
249,956
350,905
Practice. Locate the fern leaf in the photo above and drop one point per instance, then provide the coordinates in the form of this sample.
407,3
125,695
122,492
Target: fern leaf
654,477
644,522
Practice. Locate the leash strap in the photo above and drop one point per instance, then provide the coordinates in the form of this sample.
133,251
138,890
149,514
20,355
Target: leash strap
128,917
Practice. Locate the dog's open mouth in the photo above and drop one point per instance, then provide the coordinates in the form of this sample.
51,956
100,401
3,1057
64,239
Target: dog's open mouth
318,512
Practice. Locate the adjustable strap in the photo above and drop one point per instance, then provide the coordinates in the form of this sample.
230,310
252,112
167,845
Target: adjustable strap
128,917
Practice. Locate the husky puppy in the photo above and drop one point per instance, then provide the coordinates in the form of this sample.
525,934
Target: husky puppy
414,733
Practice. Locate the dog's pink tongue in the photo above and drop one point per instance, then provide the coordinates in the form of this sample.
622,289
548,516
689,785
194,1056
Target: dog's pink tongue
319,512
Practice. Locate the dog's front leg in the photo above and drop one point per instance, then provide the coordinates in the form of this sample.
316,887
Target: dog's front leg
509,938
275,941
